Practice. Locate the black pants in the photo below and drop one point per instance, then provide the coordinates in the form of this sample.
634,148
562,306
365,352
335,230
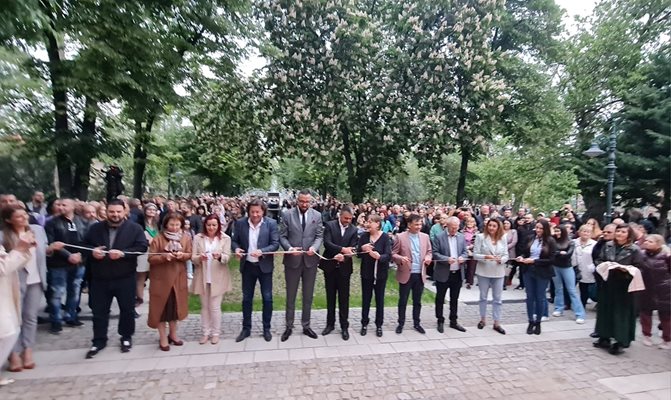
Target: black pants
513,270
416,285
337,285
454,285
251,272
101,293
368,287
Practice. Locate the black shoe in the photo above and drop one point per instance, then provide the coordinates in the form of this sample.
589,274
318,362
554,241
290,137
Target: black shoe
74,323
309,333
126,345
615,349
530,328
594,335
93,351
419,329
55,329
286,334
481,325
441,327
244,334
345,334
378,331
537,328
399,329
499,329
602,343
327,330
364,330
457,326
267,336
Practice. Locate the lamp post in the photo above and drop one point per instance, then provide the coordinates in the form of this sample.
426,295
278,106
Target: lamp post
595,151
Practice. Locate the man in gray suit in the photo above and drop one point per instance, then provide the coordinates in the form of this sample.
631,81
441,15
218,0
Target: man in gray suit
301,233
449,253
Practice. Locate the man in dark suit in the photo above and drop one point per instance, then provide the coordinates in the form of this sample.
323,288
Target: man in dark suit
340,239
449,252
252,236
301,233
112,274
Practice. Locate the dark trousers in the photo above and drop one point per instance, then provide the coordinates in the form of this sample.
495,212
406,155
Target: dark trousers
513,270
454,285
101,293
416,285
536,300
587,291
470,271
337,285
251,272
368,287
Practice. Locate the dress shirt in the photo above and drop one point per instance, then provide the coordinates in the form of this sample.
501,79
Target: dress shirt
253,241
452,242
416,261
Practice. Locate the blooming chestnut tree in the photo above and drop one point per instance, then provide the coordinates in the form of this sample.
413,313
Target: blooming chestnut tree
329,92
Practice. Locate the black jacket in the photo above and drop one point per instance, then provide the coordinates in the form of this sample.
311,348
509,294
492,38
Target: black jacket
333,244
60,229
564,260
542,267
129,238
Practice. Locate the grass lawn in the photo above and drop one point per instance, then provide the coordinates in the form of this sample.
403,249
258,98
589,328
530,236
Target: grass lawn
233,300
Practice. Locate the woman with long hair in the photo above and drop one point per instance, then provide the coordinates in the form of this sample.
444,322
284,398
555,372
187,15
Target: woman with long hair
564,277
616,315
168,291
211,278
491,253
538,255
150,232
596,229
32,280
376,254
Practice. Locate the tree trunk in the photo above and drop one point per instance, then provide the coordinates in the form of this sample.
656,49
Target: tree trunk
60,101
83,162
142,140
355,179
461,184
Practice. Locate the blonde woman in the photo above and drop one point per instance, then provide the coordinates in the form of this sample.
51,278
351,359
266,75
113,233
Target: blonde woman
211,279
491,253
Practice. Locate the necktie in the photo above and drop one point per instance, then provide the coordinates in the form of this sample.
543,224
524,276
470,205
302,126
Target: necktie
303,220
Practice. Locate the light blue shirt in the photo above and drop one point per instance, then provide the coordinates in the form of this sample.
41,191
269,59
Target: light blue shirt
536,248
414,247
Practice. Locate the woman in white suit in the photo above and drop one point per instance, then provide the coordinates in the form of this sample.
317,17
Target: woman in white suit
211,277
10,296
491,253
32,280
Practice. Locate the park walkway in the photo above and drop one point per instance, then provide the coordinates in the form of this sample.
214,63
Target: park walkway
560,363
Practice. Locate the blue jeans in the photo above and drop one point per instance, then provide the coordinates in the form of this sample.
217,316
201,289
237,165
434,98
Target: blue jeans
566,277
64,281
536,300
251,272
496,284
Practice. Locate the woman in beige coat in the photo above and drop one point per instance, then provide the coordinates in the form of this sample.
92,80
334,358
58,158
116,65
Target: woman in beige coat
211,277
10,296
168,291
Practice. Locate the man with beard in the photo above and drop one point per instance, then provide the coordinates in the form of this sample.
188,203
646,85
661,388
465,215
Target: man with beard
112,274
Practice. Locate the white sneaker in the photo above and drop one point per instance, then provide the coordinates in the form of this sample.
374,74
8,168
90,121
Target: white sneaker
557,314
580,321
647,341
543,319
665,346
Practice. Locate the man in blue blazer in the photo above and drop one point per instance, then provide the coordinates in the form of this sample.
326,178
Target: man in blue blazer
449,253
252,236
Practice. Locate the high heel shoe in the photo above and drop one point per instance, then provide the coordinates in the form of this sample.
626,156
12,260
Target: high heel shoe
175,342
164,348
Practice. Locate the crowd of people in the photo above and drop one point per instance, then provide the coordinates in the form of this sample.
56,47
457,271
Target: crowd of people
114,248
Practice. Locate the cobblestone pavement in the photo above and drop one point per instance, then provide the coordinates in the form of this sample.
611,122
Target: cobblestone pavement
557,369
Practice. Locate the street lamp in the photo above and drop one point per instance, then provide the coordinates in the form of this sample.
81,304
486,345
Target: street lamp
595,151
